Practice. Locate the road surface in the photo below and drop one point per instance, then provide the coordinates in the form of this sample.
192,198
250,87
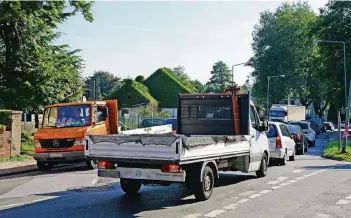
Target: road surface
308,187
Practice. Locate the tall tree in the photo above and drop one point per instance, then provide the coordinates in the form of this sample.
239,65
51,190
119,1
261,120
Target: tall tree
180,74
33,70
105,81
220,78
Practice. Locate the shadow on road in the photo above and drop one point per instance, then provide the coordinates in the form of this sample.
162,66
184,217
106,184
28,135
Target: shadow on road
333,167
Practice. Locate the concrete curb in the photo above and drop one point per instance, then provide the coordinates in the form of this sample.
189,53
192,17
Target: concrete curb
18,169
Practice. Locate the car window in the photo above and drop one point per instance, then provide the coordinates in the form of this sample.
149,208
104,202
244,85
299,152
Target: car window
272,131
284,130
253,117
293,129
302,125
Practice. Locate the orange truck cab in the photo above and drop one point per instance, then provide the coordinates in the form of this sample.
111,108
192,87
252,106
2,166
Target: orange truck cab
60,140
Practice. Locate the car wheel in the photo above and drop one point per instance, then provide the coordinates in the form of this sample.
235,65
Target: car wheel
306,148
203,190
44,166
282,161
292,157
262,172
92,164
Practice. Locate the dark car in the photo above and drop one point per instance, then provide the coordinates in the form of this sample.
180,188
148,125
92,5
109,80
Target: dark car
329,126
172,121
149,122
300,138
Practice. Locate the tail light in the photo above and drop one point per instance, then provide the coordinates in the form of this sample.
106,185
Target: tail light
171,168
278,142
105,165
298,137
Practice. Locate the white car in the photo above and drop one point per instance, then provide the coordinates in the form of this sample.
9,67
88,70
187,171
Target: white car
307,130
281,143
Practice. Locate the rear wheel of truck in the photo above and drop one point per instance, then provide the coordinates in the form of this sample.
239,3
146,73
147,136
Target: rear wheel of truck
92,164
130,186
44,166
203,190
262,172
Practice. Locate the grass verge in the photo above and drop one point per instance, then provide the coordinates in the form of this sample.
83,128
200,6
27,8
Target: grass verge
332,151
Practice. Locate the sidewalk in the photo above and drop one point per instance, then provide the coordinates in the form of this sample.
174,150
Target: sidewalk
17,166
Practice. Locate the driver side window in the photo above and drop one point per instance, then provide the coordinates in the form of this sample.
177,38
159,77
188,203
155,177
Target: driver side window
98,115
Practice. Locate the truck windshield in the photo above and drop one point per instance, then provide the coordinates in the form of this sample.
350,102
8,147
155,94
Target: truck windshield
66,116
277,113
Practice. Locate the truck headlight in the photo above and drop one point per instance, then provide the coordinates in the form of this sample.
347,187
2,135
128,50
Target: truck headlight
79,141
37,144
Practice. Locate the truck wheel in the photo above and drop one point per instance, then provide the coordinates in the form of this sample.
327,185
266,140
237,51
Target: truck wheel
203,190
44,166
130,186
92,164
262,172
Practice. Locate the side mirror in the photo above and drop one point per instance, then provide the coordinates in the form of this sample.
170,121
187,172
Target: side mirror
264,126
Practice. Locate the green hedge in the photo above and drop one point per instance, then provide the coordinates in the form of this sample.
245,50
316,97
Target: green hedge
165,88
5,119
132,93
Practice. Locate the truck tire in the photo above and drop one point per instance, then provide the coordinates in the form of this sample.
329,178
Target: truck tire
44,166
92,164
130,186
203,190
262,172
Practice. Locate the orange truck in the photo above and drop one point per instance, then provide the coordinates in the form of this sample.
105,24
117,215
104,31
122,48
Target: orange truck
64,126
60,140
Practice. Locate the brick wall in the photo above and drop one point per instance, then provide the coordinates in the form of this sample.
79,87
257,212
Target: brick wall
5,144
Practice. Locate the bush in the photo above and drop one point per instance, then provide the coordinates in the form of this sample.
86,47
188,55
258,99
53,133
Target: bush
165,88
332,151
132,93
6,119
140,79
27,138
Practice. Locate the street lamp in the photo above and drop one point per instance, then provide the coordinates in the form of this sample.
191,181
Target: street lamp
282,75
347,100
234,65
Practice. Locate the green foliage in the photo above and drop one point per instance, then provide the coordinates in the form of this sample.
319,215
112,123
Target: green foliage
198,86
5,118
221,78
140,79
2,129
165,88
332,150
105,80
27,138
33,70
151,110
132,93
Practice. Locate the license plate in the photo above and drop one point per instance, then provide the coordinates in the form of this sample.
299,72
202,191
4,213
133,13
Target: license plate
55,155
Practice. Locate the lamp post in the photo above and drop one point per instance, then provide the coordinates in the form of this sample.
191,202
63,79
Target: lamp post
269,77
347,99
234,65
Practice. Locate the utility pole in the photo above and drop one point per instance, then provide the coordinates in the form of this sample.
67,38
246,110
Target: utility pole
347,119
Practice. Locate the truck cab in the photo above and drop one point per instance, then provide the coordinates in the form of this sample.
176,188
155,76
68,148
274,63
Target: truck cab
60,139
278,113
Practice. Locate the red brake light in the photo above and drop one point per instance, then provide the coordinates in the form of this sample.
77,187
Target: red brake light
171,168
105,165
278,142
298,137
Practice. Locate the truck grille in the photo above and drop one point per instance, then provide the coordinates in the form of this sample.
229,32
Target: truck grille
56,143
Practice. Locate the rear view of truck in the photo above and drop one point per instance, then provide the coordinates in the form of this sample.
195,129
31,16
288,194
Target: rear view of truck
214,133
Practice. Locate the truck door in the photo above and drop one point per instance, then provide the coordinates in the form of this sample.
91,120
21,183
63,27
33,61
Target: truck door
258,140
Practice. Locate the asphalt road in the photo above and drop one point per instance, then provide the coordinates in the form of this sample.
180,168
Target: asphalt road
308,187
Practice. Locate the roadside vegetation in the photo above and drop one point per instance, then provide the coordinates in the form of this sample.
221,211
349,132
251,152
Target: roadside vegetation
333,151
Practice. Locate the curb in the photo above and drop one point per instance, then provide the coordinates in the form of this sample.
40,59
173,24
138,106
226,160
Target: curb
17,170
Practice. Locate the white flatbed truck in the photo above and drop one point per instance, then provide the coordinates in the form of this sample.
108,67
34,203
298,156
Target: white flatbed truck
215,132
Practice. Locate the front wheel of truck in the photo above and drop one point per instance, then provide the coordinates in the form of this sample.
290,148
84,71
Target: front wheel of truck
130,186
262,172
44,166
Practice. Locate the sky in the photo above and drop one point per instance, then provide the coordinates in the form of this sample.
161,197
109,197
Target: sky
129,38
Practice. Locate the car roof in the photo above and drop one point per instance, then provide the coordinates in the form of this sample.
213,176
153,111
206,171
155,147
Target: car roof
300,121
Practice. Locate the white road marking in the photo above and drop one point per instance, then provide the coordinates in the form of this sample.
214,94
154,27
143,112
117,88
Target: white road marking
292,181
192,216
299,178
95,181
276,187
230,206
242,201
235,198
323,215
247,193
279,179
348,197
255,195
214,213
297,171
25,203
343,202
265,191
284,184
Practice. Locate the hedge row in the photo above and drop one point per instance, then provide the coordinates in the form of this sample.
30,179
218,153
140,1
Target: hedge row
5,118
165,88
132,93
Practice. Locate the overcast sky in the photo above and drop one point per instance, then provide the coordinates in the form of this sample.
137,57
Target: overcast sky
136,38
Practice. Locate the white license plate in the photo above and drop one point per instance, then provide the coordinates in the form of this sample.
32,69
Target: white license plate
55,155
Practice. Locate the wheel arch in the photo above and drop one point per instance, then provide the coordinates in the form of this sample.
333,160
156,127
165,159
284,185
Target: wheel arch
213,165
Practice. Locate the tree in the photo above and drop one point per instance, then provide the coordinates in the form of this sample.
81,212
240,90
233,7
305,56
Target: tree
220,79
33,70
198,86
282,44
140,79
180,74
107,82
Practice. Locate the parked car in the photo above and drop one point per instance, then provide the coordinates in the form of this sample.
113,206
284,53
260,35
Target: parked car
281,143
172,121
329,126
307,130
300,139
149,122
